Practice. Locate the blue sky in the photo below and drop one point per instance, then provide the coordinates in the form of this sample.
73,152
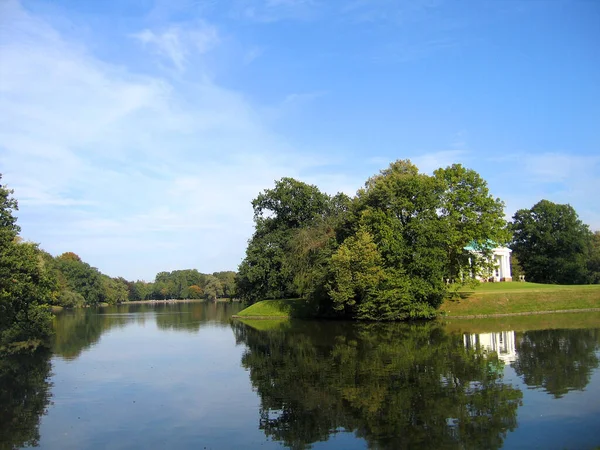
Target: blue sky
136,132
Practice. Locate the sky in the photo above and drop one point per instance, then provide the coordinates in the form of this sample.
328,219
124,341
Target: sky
135,133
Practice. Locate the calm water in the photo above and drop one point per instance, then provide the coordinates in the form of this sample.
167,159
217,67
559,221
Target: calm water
184,376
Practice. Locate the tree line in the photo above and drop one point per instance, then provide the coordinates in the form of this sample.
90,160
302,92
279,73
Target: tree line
393,251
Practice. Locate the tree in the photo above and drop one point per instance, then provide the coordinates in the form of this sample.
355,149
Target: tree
25,286
593,264
266,271
470,215
227,280
81,278
213,288
551,243
399,208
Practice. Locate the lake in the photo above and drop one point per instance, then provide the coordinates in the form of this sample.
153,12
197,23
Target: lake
184,376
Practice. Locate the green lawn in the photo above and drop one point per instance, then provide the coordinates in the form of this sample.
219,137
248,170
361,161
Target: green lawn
275,309
515,298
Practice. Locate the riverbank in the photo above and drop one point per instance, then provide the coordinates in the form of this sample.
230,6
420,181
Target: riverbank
486,300
185,300
502,299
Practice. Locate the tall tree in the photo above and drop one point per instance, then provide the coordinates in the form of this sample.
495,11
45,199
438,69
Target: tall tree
552,244
470,216
266,271
25,286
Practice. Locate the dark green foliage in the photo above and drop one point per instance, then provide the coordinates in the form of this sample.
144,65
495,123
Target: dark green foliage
279,214
384,255
552,244
395,385
79,277
470,215
25,286
593,264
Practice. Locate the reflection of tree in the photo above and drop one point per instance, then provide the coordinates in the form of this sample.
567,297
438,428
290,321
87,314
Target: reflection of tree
398,386
24,396
559,361
78,329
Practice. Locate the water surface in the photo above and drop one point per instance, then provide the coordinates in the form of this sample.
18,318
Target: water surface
184,376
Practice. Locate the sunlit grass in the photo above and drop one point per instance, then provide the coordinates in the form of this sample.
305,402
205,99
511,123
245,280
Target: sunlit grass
515,298
274,308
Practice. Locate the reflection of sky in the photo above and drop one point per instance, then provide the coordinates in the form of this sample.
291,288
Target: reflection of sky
141,387
543,419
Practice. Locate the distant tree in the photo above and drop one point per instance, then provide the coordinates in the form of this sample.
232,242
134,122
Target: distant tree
114,290
227,280
78,276
213,288
551,243
195,291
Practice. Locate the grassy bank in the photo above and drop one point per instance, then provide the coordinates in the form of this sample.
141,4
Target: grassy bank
275,309
487,299
519,298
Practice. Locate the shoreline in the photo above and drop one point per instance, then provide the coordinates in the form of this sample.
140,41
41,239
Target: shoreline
443,317
188,300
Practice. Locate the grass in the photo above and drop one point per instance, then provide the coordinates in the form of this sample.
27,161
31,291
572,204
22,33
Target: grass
274,309
520,298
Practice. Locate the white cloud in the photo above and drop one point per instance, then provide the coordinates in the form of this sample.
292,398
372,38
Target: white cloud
131,171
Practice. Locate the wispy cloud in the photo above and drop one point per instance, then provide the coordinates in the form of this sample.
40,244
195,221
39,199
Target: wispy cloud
177,42
128,170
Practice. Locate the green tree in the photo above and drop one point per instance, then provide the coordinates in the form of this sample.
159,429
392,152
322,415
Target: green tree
469,215
114,290
227,279
79,277
25,285
266,271
399,208
213,288
551,243
593,264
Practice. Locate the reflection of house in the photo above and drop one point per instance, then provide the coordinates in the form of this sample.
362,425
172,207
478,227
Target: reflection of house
500,257
502,343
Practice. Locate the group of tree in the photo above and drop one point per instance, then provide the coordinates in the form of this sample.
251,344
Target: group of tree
552,245
385,254
31,280
185,284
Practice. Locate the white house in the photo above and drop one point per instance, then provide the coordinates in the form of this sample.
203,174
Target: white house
501,259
